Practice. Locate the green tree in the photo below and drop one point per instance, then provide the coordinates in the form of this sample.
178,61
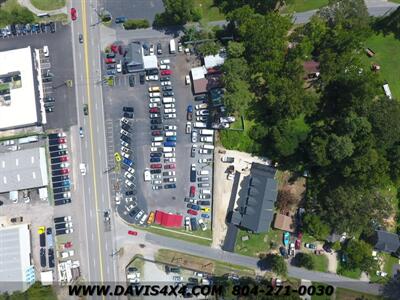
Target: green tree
313,225
359,256
259,6
209,48
304,260
275,263
340,147
5,17
177,12
235,49
22,15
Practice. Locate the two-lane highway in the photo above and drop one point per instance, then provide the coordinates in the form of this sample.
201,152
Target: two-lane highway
97,246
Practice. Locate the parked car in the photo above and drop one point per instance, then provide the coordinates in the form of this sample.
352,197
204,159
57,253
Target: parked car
170,186
192,191
166,72
192,212
310,246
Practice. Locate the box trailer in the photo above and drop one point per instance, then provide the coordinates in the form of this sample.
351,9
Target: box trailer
172,47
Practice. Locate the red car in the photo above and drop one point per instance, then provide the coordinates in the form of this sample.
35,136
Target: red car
68,245
131,232
64,158
62,141
192,191
73,14
170,166
64,171
166,72
192,212
297,244
120,50
156,133
155,166
110,61
114,48
154,110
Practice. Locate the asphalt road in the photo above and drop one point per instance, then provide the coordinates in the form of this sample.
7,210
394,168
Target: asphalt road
98,264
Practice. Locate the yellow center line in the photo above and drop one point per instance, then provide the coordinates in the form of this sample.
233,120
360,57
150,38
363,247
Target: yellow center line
89,102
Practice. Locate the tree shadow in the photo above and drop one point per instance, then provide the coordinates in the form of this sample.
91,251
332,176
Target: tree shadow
388,24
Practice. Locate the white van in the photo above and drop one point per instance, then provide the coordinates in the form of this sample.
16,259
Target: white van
168,149
206,139
168,100
169,155
208,147
199,125
157,139
46,51
170,133
206,132
203,172
204,191
152,95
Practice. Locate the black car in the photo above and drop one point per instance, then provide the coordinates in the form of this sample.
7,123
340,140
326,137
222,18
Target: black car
58,153
49,231
152,72
59,178
167,88
49,99
165,78
193,223
159,48
110,67
142,78
56,160
58,172
156,127
168,94
51,258
62,189
193,175
128,115
131,79
43,27
126,127
49,109
193,152
156,121
169,186
13,29
155,159
42,239
110,55
206,196
52,27
125,138
129,193
283,251
155,171
59,226
62,201
156,154
200,98
204,202
61,184
43,257
128,109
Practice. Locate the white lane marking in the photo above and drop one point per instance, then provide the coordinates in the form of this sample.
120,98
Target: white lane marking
85,144
90,213
106,247
81,77
98,150
94,261
95,105
80,55
91,19
92,236
97,129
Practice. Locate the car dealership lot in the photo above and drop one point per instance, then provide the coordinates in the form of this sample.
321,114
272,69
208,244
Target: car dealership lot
122,94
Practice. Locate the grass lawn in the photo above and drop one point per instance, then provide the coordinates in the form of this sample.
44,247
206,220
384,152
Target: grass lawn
36,291
200,263
305,5
209,12
239,140
356,273
48,4
320,263
321,297
257,243
200,237
387,52
344,294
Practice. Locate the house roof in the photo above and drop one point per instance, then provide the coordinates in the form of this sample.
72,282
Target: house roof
257,198
284,222
311,66
134,56
387,241
200,86
198,73
211,61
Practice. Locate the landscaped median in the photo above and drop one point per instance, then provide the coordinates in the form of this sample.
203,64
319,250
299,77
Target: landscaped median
48,5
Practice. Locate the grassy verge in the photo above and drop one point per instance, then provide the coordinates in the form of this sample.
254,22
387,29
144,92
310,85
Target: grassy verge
387,49
200,237
344,294
257,243
320,263
36,291
305,5
200,264
356,273
321,297
239,140
209,12
48,4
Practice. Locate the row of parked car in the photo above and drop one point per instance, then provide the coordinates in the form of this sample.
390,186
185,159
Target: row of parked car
59,168
46,239
23,29
163,136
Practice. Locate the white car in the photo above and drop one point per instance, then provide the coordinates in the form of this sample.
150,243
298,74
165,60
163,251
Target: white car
125,121
156,182
187,79
147,175
169,116
156,144
188,127
201,119
202,225
156,176
205,151
194,137
124,154
202,112
169,110
169,105
187,223
64,165
119,68
165,82
152,78
170,127
205,160
151,49
165,67
201,106
125,149
143,219
125,144
131,170
180,48
153,116
169,173
170,133
170,159
128,175
154,94
165,62
151,105
170,179
128,183
154,149
155,100
124,132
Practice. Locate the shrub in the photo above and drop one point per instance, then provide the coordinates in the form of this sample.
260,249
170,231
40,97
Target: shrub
136,23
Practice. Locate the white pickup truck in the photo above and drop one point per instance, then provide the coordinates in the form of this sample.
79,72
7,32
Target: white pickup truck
82,167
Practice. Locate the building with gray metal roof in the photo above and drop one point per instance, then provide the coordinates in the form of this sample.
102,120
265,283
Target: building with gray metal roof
24,169
257,198
17,272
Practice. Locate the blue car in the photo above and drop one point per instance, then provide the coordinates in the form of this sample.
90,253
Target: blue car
155,159
157,154
193,206
171,139
169,144
205,216
170,186
119,20
190,108
127,162
111,72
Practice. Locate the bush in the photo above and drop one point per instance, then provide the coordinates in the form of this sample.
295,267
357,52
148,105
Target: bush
136,23
304,260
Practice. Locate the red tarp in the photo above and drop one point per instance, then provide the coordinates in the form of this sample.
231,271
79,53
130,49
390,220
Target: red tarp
167,219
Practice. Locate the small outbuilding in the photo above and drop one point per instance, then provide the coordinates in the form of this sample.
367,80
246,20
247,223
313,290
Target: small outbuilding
283,222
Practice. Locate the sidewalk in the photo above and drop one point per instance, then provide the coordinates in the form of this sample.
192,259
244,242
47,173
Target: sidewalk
28,4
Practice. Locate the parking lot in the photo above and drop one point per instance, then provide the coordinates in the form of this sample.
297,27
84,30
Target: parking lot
60,65
120,95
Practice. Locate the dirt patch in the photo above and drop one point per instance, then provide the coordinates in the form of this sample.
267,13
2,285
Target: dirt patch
293,187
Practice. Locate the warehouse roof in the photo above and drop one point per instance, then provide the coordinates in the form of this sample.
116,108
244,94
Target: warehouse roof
23,169
15,263
17,89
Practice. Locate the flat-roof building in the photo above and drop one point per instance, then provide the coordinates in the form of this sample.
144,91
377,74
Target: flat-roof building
24,169
18,105
16,270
